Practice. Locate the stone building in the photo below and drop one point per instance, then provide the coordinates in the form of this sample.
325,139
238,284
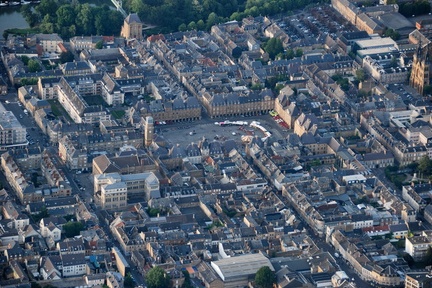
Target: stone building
420,76
132,27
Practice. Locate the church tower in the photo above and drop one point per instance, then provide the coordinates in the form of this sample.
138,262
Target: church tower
420,75
148,131
132,27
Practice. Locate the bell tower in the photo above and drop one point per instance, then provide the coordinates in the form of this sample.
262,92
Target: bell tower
148,131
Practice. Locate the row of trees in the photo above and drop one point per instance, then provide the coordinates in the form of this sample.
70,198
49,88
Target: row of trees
415,8
68,20
171,15
72,18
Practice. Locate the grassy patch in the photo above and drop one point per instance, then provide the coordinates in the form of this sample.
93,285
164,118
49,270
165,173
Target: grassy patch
148,98
47,65
58,110
95,100
118,114
56,107
23,32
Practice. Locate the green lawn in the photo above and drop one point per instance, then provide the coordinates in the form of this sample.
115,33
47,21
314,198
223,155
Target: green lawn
118,114
58,110
55,107
95,100
47,65
24,31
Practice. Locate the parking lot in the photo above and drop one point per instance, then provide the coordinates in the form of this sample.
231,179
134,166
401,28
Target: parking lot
313,23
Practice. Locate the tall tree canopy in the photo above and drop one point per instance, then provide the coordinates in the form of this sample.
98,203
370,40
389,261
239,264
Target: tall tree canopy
70,19
168,15
273,47
265,277
157,278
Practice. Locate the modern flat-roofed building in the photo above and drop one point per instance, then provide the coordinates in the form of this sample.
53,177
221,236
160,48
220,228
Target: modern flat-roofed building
133,185
12,133
114,196
237,271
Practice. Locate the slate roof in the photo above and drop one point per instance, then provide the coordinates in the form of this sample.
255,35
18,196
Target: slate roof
132,18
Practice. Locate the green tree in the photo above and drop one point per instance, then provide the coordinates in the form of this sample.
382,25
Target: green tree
237,52
116,21
428,257
28,81
128,281
25,59
278,88
256,87
298,53
182,27
47,7
192,25
99,44
360,75
31,18
273,47
101,18
265,278
34,284
42,214
425,166
47,26
73,229
341,81
427,90
200,25
153,212
362,94
34,66
157,278
65,16
289,54
187,282
212,19
34,179
85,20
236,16
392,34
67,56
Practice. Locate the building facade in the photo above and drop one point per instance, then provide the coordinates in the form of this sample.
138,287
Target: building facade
132,27
420,75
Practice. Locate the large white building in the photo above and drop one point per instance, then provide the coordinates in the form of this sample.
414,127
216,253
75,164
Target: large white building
112,189
12,133
73,265
114,196
237,271
417,246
